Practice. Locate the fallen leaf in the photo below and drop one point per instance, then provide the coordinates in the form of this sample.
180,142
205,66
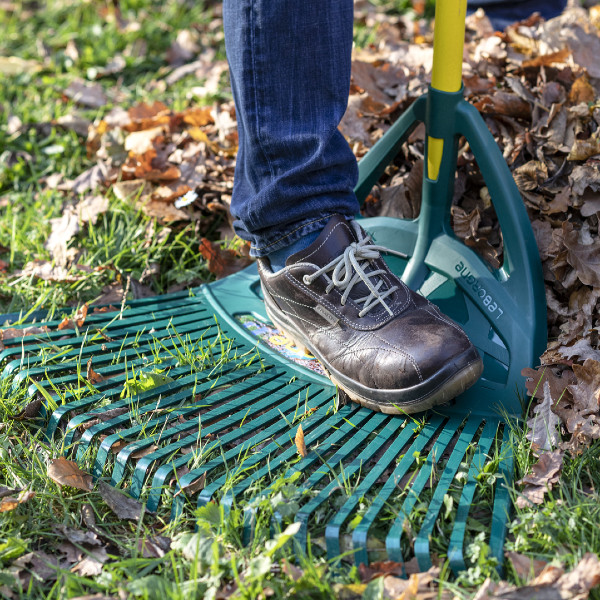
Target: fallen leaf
300,445
79,124
582,90
92,376
91,95
525,566
583,257
63,229
184,48
125,507
222,262
13,65
67,473
10,503
154,547
91,207
195,486
31,411
78,319
91,179
7,335
543,426
92,562
387,567
545,473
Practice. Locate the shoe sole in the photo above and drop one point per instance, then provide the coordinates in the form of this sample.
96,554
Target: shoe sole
443,386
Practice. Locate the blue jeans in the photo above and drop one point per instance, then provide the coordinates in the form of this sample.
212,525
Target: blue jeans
289,65
505,12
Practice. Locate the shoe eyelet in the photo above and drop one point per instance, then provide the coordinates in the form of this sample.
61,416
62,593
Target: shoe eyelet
306,280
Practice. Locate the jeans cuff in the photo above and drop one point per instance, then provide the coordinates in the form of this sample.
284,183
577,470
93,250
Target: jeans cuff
287,239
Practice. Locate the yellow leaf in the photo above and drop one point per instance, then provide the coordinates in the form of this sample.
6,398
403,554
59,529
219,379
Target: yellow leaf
300,445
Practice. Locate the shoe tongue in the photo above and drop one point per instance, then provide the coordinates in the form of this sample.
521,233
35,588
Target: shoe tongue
331,243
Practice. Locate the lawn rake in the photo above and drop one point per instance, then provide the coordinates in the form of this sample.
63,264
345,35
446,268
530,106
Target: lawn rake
182,404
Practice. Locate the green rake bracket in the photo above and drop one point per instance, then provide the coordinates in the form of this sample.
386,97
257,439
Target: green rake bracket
366,475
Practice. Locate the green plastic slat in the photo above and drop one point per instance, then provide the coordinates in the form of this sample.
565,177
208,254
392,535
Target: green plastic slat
393,538
269,418
230,372
165,401
367,453
316,455
455,548
421,544
332,531
317,425
359,536
238,387
502,503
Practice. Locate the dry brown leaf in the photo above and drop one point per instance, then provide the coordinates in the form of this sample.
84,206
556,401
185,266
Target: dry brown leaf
125,507
198,116
63,229
546,60
92,376
67,473
91,207
525,566
184,48
8,335
137,188
299,441
582,91
583,149
75,122
78,319
91,563
31,411
222,262
10,503
583,257
586,394
465,224
196,485
154,547
91,95
387,567
545,473
543,426
144,116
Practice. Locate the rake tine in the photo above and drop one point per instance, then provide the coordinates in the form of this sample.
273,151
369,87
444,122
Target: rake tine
455,547
422,540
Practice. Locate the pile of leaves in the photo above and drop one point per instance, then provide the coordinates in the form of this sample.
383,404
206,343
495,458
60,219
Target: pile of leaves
537,86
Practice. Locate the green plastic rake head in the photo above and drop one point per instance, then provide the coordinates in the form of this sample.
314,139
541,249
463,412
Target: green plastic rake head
218,423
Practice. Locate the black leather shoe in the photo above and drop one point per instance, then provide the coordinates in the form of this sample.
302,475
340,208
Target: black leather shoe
387,347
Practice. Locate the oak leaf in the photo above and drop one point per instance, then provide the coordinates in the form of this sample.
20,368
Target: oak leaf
67,473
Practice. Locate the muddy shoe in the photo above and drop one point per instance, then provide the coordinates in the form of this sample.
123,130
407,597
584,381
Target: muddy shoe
387,347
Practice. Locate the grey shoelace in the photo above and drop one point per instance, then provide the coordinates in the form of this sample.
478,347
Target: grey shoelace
348,270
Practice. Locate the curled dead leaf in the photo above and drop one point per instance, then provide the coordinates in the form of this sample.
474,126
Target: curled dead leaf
299,441
67,473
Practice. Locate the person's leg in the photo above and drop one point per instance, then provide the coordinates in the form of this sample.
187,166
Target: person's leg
290,74
329,289
505,12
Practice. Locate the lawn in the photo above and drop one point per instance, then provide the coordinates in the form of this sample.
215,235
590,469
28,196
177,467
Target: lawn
117,150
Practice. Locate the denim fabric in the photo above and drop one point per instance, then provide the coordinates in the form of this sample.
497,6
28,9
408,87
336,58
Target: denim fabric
504,12
289,65
290,74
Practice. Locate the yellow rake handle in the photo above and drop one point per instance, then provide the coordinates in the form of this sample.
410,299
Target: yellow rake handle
446,73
